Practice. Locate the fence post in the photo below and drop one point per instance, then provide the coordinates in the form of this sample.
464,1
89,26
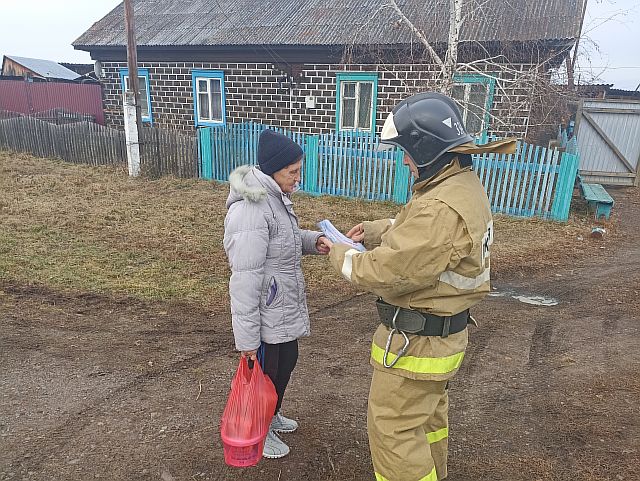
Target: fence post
564,187
204,141
401,179
311,165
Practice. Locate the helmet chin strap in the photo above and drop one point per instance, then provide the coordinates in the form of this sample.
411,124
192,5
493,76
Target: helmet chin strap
430,170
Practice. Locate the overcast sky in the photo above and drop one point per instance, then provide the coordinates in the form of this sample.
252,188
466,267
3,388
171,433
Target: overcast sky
46,28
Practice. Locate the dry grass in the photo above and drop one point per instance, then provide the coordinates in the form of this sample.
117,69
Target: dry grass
94,229
524,246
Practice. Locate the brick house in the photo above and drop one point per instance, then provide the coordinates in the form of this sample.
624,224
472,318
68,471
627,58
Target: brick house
319,65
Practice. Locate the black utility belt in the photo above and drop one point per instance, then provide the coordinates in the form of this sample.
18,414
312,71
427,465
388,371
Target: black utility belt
420,323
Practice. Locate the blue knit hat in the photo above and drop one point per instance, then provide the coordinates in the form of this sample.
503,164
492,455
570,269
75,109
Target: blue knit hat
276,151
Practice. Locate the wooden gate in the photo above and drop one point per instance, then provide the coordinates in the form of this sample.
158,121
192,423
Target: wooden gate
608,133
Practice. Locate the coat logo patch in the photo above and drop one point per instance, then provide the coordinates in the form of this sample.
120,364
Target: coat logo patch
487,240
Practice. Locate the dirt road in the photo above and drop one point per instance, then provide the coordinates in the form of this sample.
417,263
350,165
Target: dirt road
100,388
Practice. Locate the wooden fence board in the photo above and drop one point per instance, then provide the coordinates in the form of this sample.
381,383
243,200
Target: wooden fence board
163,152
531,182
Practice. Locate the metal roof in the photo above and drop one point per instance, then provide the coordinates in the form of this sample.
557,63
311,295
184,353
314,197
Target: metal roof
45,68
330,22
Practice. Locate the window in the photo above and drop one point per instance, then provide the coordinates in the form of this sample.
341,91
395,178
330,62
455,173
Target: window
208,97
356,97
474,94
143,85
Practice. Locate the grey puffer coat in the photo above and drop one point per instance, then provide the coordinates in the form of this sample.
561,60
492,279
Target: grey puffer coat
265,246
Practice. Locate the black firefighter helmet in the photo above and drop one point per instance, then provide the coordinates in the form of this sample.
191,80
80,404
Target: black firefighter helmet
426,126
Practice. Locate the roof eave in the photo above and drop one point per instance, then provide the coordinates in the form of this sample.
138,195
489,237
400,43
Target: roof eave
331,52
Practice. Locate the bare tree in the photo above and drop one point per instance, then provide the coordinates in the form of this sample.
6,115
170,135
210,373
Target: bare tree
573,54
582,54
450,61
521,86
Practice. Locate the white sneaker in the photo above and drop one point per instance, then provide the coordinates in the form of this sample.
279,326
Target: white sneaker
281,424
274,448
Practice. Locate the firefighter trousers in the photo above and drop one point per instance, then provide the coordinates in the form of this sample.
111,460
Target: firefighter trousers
408,430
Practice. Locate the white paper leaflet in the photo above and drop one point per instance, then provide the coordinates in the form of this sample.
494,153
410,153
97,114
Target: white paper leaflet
337,237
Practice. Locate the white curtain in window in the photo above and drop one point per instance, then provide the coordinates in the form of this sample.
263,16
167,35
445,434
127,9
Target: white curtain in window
472,100
209,97
356,105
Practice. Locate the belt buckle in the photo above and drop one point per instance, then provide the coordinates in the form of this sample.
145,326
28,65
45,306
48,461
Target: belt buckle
411,321
446,326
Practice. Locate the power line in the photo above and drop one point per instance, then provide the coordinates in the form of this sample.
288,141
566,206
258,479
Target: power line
608,68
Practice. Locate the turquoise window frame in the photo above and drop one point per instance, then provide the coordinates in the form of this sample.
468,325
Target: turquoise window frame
357,77
142,72
488,80
208,74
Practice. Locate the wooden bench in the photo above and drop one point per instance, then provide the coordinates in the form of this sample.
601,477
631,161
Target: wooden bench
597,198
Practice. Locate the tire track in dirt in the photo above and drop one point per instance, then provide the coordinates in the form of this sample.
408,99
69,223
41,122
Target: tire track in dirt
478,343
66,433
541,345
559,418
79,420
334,305
127,313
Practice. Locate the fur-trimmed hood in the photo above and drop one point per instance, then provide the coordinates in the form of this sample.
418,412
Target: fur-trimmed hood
251,184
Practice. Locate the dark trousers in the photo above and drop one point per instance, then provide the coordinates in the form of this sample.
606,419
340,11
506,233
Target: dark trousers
278,361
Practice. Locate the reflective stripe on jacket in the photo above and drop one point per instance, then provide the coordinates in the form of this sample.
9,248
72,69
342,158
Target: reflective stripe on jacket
434,258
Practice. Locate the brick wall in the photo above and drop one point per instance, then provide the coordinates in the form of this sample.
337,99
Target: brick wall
253,93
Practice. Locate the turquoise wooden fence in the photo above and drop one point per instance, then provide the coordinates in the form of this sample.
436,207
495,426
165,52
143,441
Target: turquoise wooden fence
532,182
352,164
222,149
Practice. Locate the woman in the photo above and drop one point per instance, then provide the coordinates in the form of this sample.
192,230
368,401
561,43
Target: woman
265,246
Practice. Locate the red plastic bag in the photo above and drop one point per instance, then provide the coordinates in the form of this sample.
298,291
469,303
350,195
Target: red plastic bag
247,415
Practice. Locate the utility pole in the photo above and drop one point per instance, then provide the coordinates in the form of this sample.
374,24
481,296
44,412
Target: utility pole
132,114
572,59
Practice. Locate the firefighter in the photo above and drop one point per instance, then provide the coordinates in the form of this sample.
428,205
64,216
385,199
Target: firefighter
428,266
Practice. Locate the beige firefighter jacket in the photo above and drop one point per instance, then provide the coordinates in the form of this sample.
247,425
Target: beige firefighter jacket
433,257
